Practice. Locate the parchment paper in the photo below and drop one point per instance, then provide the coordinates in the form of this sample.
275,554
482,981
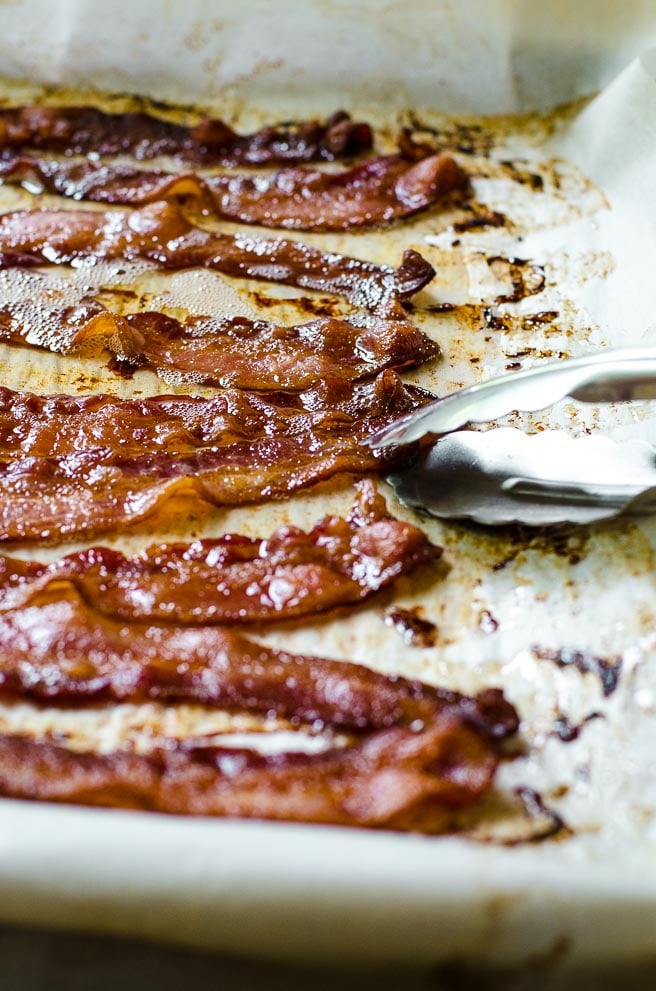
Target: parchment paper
477,56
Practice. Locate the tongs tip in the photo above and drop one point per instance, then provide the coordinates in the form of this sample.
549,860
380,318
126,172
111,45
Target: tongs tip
391,435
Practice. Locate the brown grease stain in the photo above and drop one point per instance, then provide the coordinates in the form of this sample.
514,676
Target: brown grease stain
564,541
567,731
466,138
415,630
527,278
124,369
537,353
484,219
516,170
607,669
322,306
515,819
511,322
487,623
554,826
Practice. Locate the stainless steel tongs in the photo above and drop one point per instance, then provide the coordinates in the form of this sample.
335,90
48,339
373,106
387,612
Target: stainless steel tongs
504,475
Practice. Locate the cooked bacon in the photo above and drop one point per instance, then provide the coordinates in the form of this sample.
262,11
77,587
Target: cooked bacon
235,579
398,778
80,130
370,194
64,650
424,744
160,234
247,354
84,465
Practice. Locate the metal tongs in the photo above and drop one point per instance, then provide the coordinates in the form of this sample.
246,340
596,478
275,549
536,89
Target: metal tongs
504,475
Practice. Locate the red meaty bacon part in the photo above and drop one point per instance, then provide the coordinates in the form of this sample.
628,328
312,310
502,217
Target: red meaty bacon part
371,194
80,130
160,234
235,579
84,465
247,354
425,751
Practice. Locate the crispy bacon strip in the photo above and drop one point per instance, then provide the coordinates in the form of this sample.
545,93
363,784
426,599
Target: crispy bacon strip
84,465
160,234
63,650
369,195
236,579
425,745
247,354
396,779
80,130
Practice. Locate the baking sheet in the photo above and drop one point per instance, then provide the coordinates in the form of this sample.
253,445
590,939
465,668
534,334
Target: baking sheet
325,894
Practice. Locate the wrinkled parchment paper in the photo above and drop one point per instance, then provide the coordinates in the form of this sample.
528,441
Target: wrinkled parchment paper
324,894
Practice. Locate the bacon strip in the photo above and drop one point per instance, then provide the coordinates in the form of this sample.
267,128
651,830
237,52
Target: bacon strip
369,195
80,130
160,234
84,465
425,745
237,352
396,779
64,651
236,579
